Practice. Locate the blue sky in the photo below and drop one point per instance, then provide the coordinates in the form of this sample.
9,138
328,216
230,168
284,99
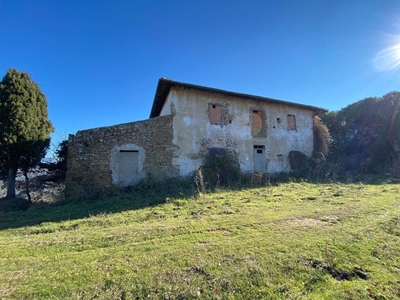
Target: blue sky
98,62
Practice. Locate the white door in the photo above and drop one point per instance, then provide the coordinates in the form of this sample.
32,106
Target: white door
260,158
128,167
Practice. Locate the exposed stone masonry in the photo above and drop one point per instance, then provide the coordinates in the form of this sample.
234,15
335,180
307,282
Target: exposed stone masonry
89,152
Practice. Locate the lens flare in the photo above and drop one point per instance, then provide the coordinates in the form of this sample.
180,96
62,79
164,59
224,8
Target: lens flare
387,59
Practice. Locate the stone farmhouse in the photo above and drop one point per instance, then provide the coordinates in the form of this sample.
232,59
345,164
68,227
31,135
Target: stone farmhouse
186,122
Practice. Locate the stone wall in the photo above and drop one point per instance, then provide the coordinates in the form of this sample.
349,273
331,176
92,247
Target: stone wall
90,153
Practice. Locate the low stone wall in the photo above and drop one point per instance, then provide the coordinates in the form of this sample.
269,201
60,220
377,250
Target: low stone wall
89,152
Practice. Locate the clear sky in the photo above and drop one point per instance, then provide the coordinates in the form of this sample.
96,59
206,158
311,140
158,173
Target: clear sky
98,62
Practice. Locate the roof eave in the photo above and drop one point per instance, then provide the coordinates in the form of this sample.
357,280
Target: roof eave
164,86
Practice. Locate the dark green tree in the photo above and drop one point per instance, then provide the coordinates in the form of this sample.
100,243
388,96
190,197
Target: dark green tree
24,126
365,135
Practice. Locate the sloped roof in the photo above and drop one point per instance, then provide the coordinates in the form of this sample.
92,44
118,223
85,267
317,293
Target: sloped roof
165,85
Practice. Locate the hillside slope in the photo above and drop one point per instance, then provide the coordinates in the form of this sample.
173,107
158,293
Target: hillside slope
292,241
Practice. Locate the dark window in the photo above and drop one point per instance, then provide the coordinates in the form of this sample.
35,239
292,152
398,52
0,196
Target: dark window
215,114
213,152
259,149
291,120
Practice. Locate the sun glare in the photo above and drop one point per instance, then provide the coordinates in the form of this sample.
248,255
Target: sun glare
387,59
397,49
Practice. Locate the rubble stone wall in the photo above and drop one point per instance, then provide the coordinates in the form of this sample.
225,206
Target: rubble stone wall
89,164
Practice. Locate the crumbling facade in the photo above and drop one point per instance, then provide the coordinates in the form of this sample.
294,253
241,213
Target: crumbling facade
186,122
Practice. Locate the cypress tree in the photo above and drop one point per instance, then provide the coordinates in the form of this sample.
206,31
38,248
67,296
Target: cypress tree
24,125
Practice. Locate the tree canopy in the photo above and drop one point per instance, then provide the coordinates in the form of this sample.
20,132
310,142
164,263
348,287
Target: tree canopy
24,125
365,135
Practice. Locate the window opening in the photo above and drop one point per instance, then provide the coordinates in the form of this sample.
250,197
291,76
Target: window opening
215,113
257,119
259,149
257,123
217,152
291,120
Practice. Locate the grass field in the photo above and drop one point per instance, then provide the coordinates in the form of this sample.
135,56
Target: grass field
290,241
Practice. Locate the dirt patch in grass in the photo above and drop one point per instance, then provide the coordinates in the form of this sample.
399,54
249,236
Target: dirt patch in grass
308,222
336,273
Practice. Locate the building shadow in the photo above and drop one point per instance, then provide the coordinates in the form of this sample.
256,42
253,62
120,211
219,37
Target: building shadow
114,200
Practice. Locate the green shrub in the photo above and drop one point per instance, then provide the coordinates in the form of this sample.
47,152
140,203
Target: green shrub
221,170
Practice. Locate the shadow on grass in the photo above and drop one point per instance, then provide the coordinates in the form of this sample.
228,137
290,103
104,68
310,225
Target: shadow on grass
374,179
146,194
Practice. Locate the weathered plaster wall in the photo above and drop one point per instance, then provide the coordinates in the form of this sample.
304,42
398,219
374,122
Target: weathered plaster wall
93,154
193,132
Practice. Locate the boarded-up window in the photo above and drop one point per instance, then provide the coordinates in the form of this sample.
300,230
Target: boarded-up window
215,113
257,121
291,120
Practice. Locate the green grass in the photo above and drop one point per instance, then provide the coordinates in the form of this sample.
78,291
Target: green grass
291,241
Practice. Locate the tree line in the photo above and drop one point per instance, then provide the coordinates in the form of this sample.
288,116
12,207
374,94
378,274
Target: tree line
363,137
